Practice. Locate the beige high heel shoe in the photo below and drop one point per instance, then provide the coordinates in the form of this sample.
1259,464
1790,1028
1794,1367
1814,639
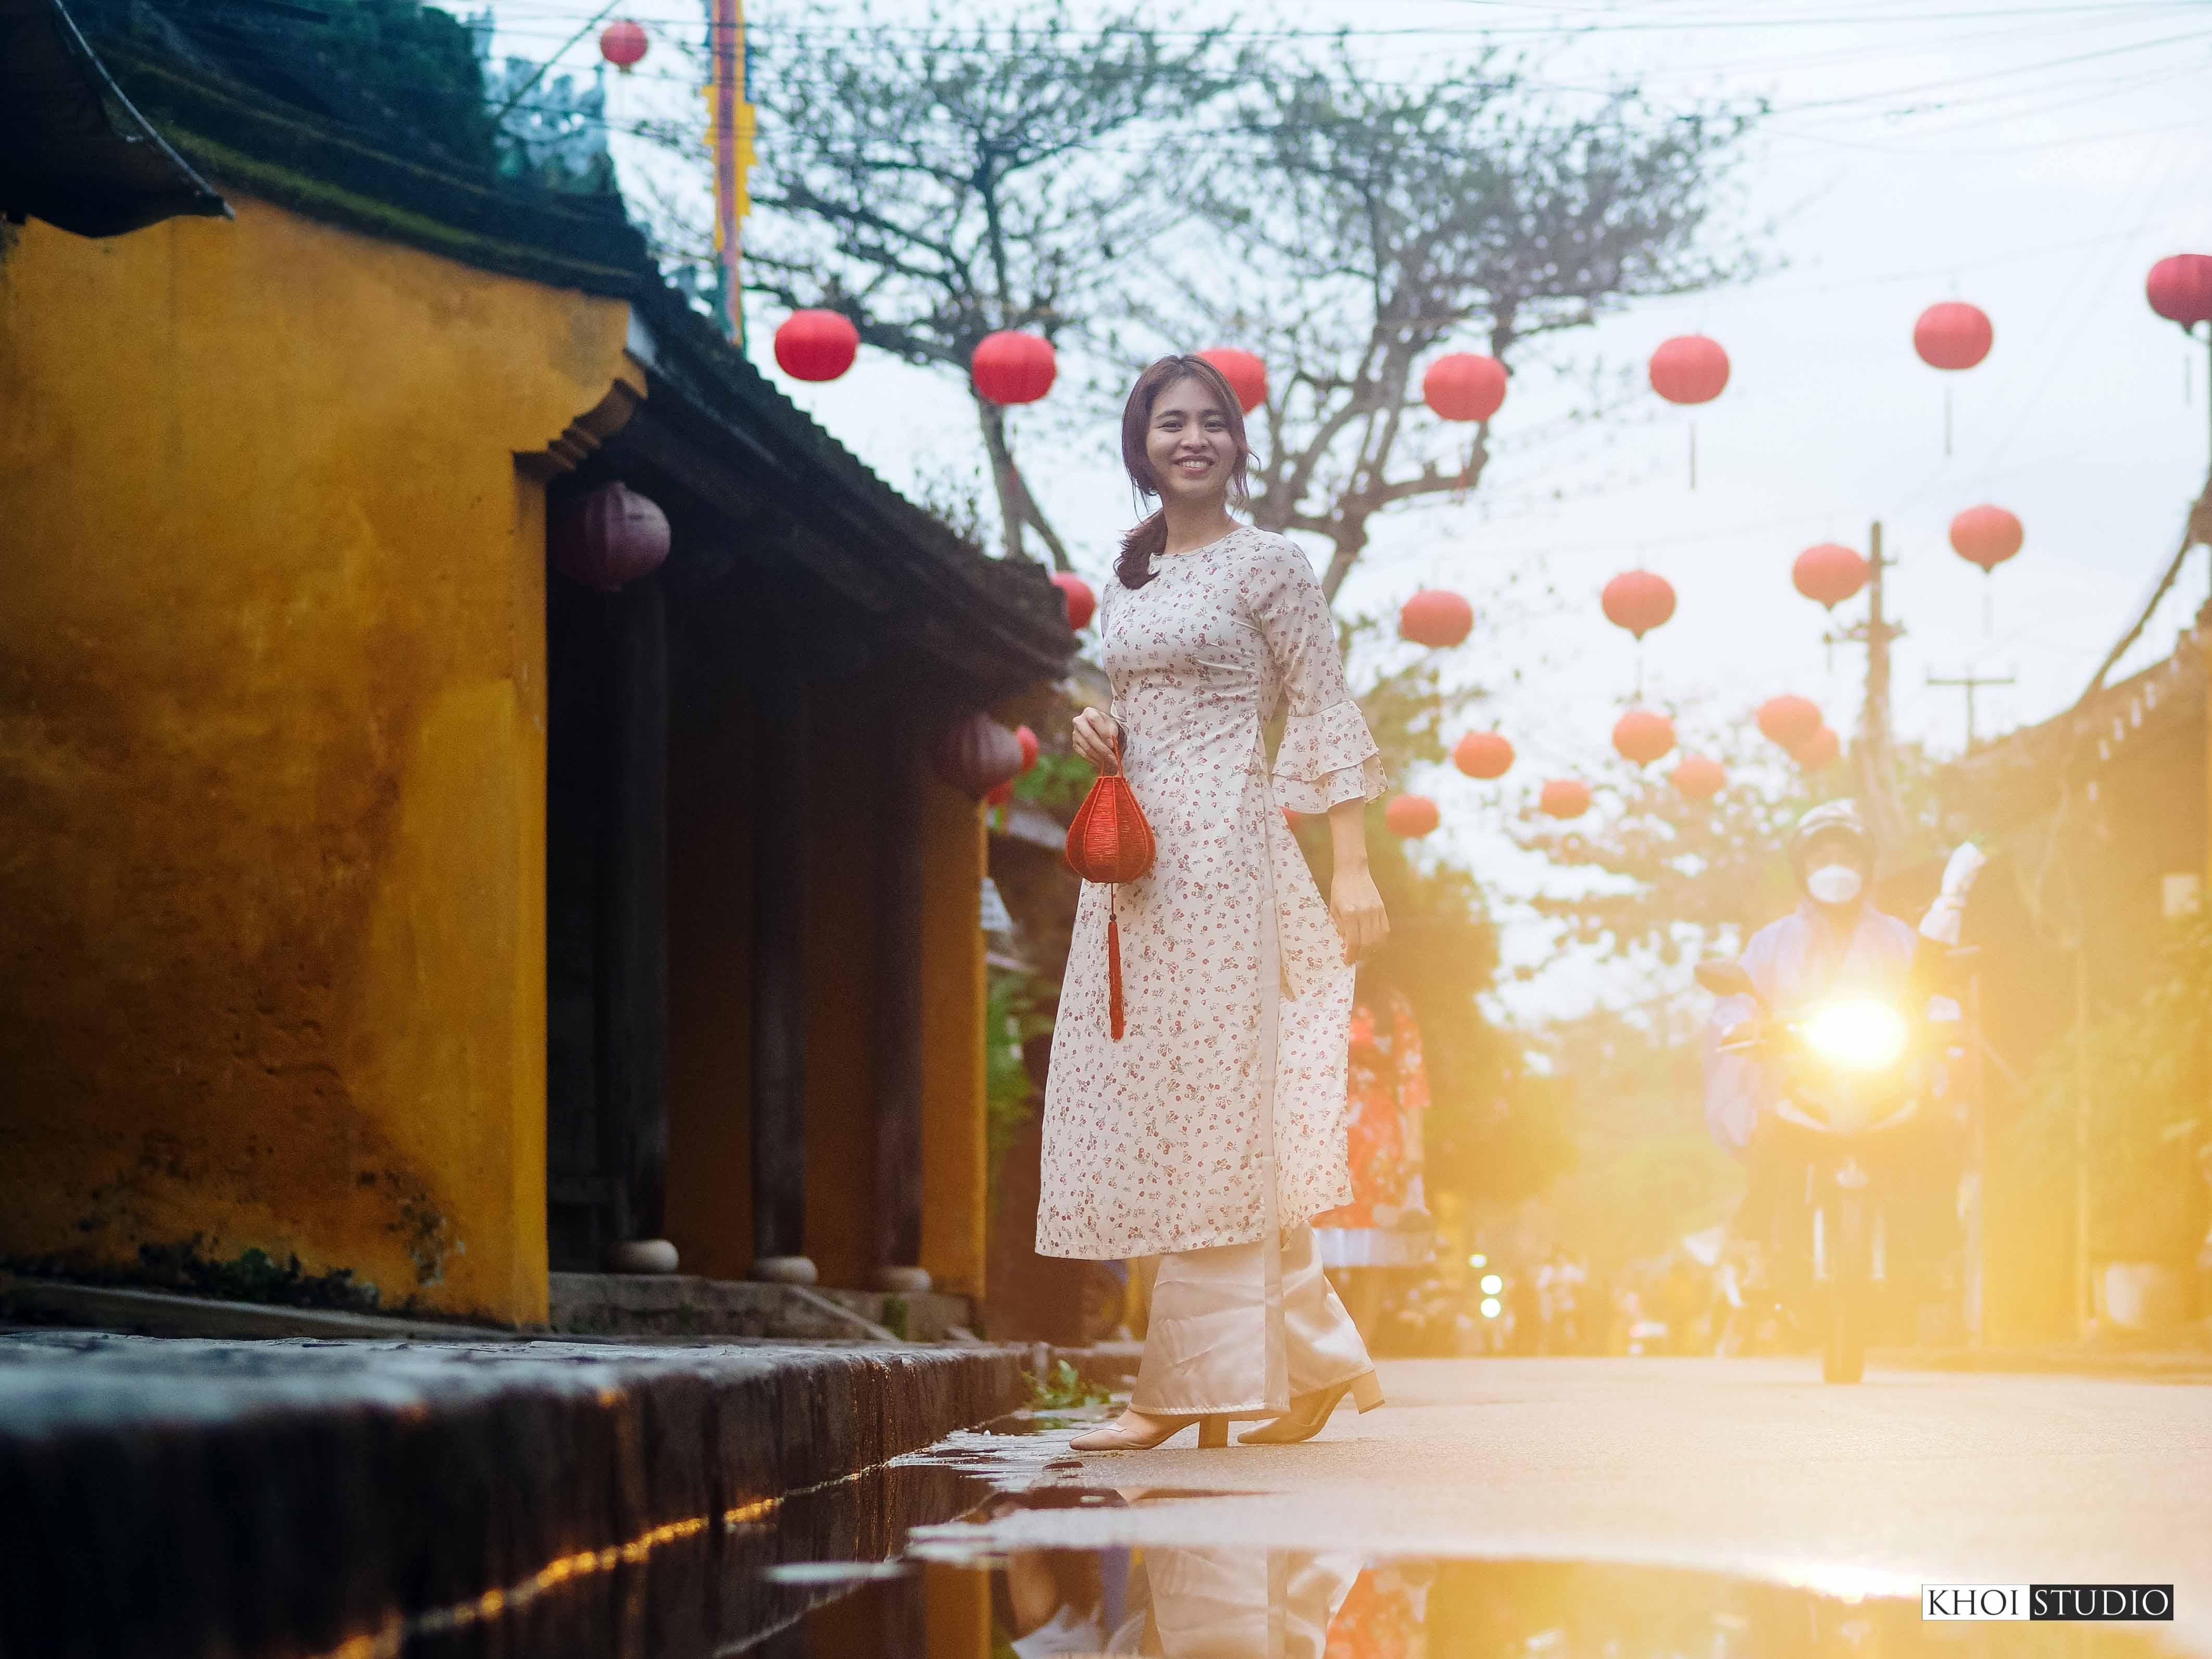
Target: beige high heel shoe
1309,1411
1213,1435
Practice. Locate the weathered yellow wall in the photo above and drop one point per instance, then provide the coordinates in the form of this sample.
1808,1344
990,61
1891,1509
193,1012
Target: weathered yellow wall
272,750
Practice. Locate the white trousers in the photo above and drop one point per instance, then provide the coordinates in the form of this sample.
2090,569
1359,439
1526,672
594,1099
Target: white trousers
1243,1327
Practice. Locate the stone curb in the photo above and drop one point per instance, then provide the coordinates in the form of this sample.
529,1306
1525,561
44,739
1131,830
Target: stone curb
181,1496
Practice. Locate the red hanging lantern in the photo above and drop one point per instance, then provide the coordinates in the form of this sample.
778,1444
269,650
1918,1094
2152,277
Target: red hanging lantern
1637,601
976,755
1009,367
1819,751
1830,572
816,345
1789,721
1082,603
1483,754
1245,374
607,537
1564,797
623,44
1699,778
2179,288
1291,818
1953,335
1642,736
1436,617
1464,386
1410,816
1028,739
1689,369
1986,536
1001,796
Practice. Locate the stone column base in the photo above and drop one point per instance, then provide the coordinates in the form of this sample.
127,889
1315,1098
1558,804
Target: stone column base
902,1280
641,1256
784,1270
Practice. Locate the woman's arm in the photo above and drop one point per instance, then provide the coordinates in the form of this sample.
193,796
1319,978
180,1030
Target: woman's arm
1352,899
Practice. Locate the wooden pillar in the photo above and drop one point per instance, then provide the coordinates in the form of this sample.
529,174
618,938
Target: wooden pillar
633,980
901,867
779,1024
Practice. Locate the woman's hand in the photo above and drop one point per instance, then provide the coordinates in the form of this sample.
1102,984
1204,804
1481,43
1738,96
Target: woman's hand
1353,903
1357,908
1094,732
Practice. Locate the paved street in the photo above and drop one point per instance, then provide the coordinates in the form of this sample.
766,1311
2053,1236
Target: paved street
1750,1466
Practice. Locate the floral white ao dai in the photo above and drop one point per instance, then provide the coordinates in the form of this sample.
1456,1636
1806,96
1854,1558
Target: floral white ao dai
1219,1114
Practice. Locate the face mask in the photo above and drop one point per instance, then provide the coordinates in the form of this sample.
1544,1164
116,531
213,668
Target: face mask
1833,883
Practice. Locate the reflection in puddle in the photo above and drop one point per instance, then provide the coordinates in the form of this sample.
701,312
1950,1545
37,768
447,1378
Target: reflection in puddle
831,1574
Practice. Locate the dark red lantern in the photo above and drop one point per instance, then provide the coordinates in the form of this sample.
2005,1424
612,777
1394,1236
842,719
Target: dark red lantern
622,43
1082,603
1830,572
1436,617
1789,721
1642,736
816,345
1819,751
1564,797
1986,536
607,537
1699,778
976,755
1637,601
1028,739
2179,288
1001,796
1953,335
1009,367
1689,369
1483,754
1464,386
1245,374
1410,816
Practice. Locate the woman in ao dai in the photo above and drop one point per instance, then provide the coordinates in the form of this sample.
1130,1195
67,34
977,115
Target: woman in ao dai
1212,1130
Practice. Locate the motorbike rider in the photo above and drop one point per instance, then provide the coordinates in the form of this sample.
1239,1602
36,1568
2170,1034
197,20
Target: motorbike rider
1835,941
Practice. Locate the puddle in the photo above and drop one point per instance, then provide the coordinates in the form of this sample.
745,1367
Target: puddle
936,1556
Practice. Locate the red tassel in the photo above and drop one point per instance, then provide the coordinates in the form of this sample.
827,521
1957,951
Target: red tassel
1114,969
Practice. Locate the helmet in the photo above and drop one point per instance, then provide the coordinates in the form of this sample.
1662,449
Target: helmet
1830,817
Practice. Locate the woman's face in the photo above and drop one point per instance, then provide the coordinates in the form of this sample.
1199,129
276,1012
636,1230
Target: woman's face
1190,447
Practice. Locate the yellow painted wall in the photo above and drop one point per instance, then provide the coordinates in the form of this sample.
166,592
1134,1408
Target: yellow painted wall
272,750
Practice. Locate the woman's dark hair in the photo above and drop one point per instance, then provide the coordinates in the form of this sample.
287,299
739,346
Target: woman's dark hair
1149,534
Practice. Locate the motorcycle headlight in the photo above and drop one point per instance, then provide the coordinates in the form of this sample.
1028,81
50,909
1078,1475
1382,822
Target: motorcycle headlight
1859,1037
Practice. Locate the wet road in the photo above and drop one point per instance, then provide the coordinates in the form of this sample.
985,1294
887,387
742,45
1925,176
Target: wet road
1739,1466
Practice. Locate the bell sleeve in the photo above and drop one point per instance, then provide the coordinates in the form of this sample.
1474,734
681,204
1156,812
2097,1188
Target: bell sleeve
1327,756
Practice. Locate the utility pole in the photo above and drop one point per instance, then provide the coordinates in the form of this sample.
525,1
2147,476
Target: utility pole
1971,683
1874,760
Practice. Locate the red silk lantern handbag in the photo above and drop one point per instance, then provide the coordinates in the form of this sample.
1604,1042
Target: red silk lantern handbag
1109,842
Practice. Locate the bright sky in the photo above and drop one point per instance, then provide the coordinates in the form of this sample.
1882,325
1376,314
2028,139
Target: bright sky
2032,158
